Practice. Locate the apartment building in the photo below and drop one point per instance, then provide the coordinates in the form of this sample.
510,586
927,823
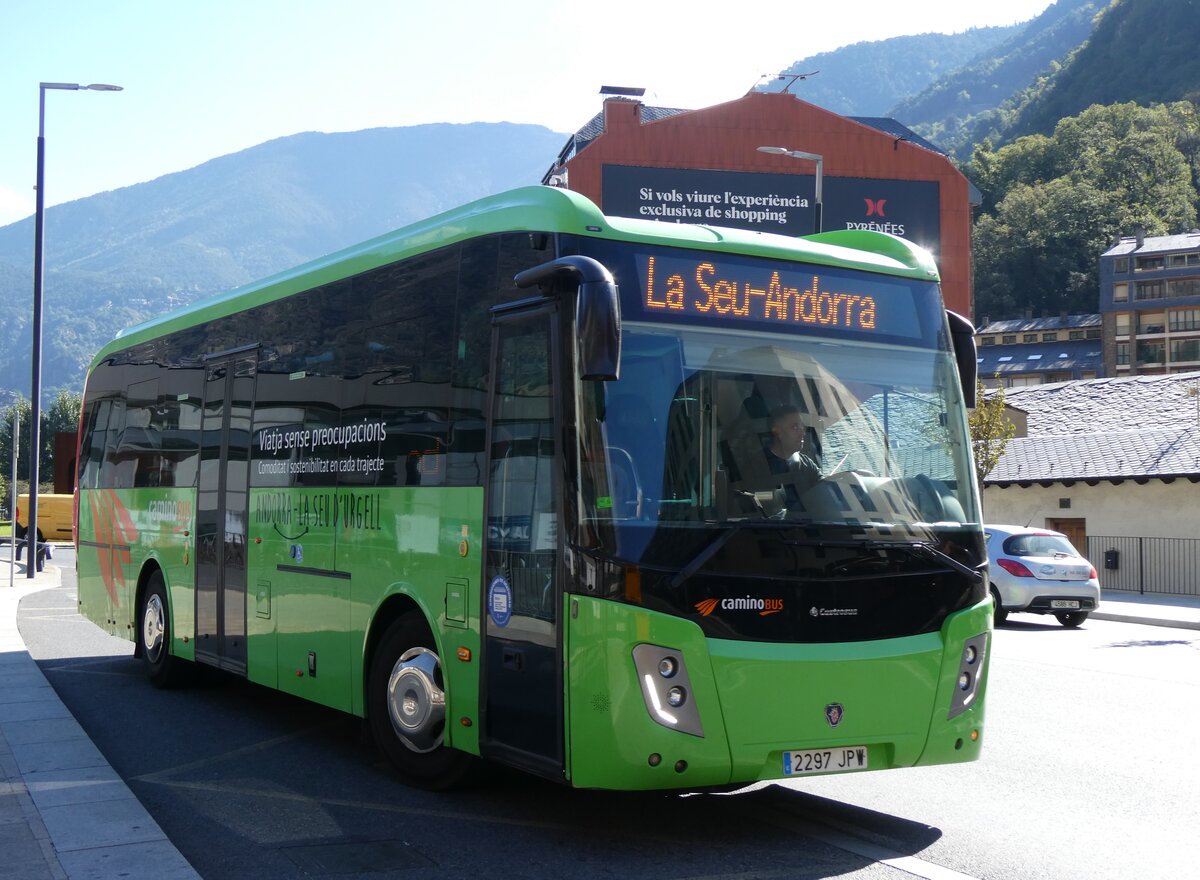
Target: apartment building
1150,303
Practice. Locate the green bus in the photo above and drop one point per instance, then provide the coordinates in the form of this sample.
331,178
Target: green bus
498,484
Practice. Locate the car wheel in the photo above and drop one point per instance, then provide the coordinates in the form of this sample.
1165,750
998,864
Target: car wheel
406,705
1071,619
999,615
164,669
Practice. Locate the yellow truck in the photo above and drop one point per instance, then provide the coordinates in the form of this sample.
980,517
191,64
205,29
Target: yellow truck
54,521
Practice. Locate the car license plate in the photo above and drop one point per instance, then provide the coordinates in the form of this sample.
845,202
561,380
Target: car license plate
837,760
1072,604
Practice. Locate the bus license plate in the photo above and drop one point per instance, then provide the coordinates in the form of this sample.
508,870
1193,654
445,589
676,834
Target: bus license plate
836,760
1072,604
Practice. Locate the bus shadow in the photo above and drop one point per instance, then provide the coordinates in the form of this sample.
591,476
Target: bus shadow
223,746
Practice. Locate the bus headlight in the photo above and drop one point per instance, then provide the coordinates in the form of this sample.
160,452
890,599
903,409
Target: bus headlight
666,688
970,672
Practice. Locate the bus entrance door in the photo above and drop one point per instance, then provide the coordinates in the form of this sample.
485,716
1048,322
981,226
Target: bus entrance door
522,586
222,510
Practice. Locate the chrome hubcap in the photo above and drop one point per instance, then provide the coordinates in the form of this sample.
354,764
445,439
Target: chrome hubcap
415,700
153,619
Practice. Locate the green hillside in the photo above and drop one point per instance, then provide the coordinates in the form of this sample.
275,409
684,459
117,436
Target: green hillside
974,102
1143,51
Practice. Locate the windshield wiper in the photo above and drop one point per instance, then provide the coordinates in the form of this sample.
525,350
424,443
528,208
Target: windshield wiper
920,548
916,548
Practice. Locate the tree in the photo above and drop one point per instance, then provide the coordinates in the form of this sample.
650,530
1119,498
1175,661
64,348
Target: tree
990,430
1052,205
61,416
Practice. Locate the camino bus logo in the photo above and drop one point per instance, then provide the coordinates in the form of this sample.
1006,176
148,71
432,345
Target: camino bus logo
744,603
115,532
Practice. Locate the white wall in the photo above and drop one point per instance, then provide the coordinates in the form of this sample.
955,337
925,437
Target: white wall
1124,514
1153,510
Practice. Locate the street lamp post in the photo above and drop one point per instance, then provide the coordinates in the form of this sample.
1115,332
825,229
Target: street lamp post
812,157
39,224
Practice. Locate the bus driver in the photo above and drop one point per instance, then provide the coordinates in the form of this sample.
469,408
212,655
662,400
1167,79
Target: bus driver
785,453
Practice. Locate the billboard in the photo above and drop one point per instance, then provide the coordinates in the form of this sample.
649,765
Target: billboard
781,203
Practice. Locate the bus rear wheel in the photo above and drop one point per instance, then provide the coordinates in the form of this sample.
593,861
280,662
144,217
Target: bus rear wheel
406,707
154,636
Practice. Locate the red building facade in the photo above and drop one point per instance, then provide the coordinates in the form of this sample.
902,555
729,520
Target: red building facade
704,166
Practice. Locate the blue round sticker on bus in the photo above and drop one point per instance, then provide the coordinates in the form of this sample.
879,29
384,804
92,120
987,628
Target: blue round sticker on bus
500,601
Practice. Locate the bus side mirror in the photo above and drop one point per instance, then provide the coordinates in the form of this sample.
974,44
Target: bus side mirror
962,336
597,313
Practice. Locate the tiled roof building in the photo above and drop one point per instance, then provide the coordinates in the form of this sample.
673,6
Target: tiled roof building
1113,463
1123,428
1032,351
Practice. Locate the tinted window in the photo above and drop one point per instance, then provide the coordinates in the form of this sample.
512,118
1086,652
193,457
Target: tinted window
1038,545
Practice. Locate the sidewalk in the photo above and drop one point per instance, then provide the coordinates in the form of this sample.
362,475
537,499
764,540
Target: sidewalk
1154,609
64,812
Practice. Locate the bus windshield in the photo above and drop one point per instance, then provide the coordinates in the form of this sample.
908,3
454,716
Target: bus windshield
728,424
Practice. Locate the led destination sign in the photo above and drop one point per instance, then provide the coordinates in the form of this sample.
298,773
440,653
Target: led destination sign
707,288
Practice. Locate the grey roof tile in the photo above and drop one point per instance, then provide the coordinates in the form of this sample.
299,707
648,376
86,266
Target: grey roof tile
1127,427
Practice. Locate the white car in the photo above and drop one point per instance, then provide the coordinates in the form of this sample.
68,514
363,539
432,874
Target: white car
1038,571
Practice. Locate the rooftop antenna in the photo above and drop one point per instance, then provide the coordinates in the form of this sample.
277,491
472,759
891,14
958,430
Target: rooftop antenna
792,78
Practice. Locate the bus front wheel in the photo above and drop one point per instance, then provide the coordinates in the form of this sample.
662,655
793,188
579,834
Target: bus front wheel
154,636
407,707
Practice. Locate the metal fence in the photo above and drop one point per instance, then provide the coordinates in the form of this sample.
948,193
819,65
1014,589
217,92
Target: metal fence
1147,565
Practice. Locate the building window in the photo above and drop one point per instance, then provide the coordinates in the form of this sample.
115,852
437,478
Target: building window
1029,337
1121,264
1183,319
1185,350
1151,353
1034,357
1008,339
1150,290
1151,322
1122,323
989,340
1148,264
1123,353
1178,260
1183,287
1032,379
1093,333
1049,337
1121,292
1005,359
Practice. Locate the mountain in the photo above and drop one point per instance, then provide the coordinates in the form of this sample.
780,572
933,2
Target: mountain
967,105
1140,50
119,257
868,79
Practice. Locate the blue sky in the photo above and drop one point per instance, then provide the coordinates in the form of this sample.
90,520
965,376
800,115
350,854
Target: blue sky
204,78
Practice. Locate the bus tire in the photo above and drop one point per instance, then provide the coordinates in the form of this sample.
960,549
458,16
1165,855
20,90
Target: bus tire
999,615
406,707
154,636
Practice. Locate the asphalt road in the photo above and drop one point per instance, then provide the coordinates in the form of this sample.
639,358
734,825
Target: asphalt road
1088,772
